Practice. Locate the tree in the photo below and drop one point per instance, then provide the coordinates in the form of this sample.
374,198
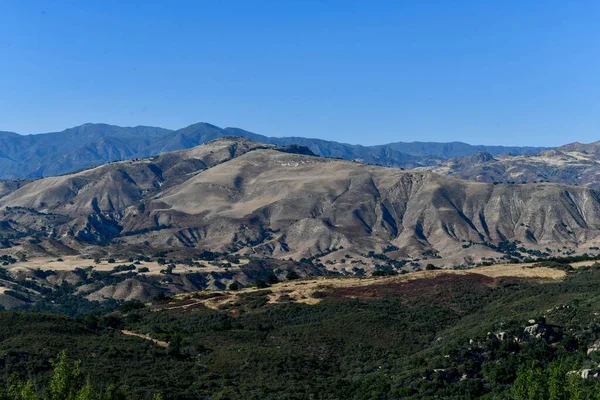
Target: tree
575,387
234,286
21,390
261,284
174,348
161,297
557,381
530,383
113,392
63,384
86,392
291,275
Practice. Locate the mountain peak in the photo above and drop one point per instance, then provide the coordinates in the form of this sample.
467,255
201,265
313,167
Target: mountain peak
482,157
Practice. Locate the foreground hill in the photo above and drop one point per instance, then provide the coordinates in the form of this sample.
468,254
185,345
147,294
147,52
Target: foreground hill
449,336
234,195
34,156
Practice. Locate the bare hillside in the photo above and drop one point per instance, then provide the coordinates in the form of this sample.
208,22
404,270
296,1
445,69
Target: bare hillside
235,195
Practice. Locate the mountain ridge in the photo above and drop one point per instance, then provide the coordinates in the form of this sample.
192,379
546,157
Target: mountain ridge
56,153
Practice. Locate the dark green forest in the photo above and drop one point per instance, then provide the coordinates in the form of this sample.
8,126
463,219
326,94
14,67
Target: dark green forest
453,336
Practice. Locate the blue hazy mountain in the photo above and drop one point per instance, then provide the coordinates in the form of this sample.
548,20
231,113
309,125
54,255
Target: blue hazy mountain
55,153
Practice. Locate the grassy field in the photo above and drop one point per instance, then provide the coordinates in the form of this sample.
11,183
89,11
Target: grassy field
303,291
70,263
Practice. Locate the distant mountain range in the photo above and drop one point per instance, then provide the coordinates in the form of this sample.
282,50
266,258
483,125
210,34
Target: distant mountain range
49,154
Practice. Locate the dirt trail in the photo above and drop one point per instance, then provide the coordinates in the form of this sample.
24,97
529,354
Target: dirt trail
147,337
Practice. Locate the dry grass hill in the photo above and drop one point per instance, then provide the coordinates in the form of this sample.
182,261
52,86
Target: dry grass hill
238,196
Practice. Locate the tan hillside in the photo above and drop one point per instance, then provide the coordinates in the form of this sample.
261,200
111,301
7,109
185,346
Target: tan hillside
235,195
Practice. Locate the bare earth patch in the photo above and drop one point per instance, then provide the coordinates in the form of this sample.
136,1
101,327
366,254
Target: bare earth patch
303,291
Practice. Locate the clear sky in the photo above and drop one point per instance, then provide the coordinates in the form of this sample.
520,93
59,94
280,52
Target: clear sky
484,72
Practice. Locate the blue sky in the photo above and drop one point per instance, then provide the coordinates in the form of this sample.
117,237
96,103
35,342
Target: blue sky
490,72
